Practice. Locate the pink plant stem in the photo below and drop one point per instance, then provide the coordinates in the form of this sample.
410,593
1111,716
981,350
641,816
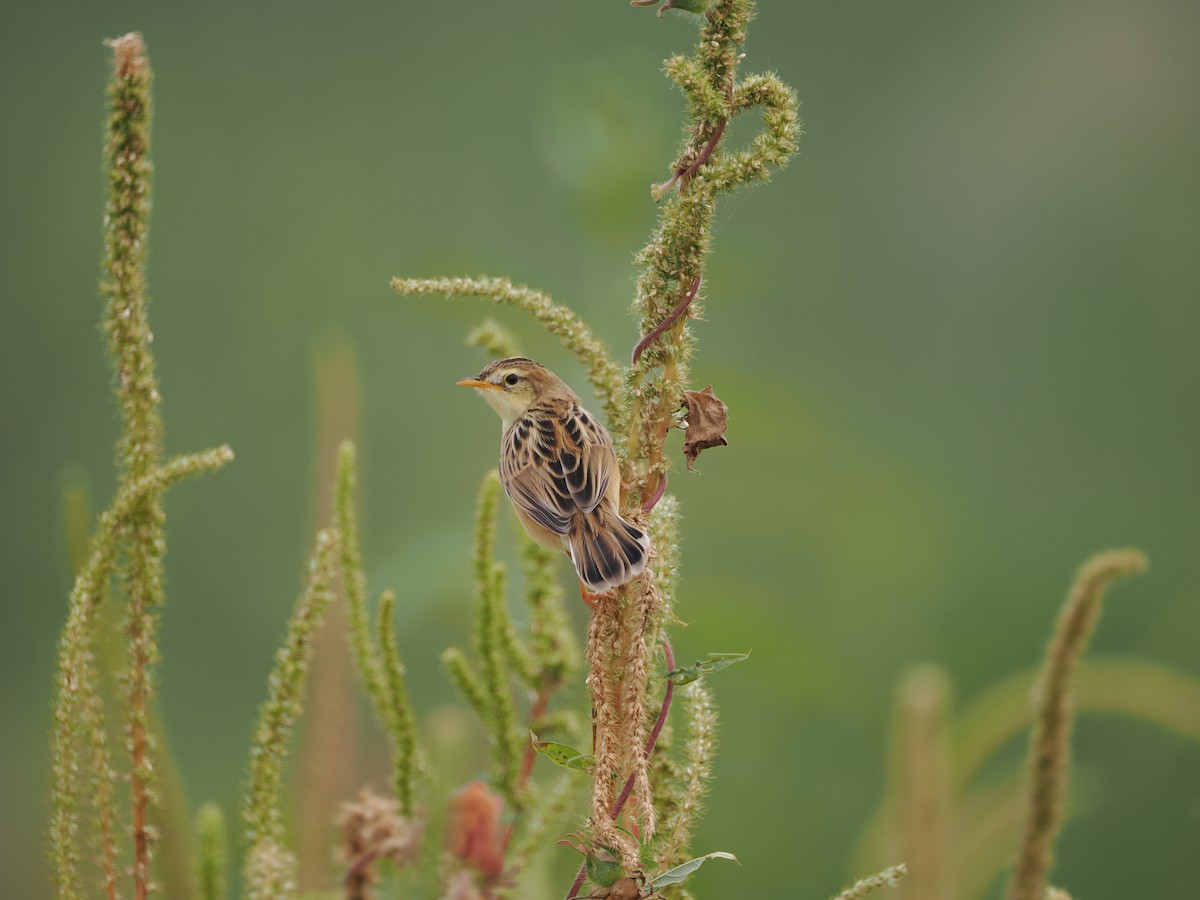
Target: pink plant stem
657,495
655,732
672,317
579,877
683,173
535,715
650,742
705,153
682,176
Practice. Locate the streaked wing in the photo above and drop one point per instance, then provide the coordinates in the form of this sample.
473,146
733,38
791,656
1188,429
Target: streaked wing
556,462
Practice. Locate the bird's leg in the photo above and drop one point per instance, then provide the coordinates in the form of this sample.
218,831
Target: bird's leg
588,597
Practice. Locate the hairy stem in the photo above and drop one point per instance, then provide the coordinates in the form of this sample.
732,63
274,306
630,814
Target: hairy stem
262,814
126,225
492,627
1049,749
651,741
76,678
354,584
671,318
667,295
402,725
862,887
655,732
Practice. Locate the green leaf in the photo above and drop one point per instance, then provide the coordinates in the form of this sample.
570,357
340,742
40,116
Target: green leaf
562,755
692,6
604,872
680,873
715,662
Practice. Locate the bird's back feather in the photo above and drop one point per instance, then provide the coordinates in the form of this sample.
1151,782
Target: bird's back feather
558,467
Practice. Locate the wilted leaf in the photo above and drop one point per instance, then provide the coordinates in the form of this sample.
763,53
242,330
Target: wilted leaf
707,419
678,874
715,662
562,755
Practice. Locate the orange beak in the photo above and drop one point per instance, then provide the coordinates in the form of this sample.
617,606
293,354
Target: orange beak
476,383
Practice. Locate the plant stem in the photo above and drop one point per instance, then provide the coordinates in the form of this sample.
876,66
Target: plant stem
535,713
76,678
671,318
650,742
1049,749
126,226
657,730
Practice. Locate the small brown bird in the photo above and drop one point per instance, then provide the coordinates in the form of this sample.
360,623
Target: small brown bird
558,467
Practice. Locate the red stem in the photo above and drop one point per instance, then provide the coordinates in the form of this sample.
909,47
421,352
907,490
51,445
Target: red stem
683,173
682,176
578,883
657,331
539,710
706,152
657,495
654,732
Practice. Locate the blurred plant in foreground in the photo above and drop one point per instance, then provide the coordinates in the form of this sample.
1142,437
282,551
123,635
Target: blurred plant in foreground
958,830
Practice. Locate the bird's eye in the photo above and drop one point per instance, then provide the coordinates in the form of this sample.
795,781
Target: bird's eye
511,379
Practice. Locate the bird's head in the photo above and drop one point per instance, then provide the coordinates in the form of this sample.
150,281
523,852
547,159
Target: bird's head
513,384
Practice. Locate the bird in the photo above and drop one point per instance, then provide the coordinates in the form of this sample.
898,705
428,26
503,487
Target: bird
558,468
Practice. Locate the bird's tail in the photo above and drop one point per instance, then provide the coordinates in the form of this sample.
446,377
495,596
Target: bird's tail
607,551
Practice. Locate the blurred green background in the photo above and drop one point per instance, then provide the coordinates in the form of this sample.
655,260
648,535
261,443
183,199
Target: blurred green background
958,339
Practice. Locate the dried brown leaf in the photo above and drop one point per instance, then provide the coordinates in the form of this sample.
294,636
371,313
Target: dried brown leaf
707,419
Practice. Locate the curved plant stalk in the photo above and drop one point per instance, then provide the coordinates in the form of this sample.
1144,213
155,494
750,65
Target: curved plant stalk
78,719
602,372
1050,743
887,878
1139,689
402,726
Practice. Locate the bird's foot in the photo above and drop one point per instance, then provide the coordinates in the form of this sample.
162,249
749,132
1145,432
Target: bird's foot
588,597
